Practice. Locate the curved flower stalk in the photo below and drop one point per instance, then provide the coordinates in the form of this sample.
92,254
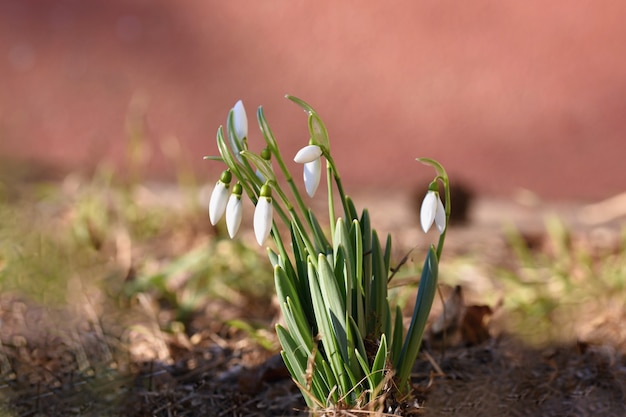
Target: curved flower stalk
333,290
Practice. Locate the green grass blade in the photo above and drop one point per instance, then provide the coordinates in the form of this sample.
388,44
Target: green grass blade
398,335
320,237
357,240
295,359
323,320
266,131
351,210
342,238
366,232
297,325
285,288
343,281
378,300
378,366
297,363
354,342
273,257
334,303
425,296
388,253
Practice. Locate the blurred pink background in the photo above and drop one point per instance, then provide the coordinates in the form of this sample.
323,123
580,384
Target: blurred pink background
508,95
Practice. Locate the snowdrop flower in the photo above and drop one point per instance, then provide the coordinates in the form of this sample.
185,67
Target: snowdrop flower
310,157
240,120
263,215
308,154
312,174
233,211
219,197
433,211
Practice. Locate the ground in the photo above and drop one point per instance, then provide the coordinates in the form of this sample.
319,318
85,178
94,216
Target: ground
103,344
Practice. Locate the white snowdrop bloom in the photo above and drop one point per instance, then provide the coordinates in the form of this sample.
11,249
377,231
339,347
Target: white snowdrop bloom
234,210
308,154
310,157
432,210
217,204
240,120
263,215
312,175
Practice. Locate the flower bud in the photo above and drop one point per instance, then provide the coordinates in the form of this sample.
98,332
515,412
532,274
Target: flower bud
312,175
219,197
217,204
432,210
240,120
263,215
266,154
234,211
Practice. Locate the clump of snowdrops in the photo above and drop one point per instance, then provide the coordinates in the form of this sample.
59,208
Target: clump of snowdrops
343,343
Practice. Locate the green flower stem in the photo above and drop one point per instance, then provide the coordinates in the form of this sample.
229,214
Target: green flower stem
280,211
273,147
342,194
249,182
231,162
331,199
442,237
294,216
279,241
290,181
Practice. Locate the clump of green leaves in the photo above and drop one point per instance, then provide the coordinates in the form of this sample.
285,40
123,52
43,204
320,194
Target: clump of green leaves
343,342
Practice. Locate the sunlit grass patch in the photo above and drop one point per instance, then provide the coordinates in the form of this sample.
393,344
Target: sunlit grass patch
557,292
218,270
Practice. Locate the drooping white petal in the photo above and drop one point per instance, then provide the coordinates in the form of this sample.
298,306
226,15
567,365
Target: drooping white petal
308,154
312,175
440,216
234,211
263,219
240,120
217,203
428,210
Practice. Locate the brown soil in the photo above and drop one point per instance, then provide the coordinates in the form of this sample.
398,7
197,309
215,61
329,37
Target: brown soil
52,371
504,378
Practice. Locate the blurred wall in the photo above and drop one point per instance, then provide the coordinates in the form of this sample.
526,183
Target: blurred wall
507,94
